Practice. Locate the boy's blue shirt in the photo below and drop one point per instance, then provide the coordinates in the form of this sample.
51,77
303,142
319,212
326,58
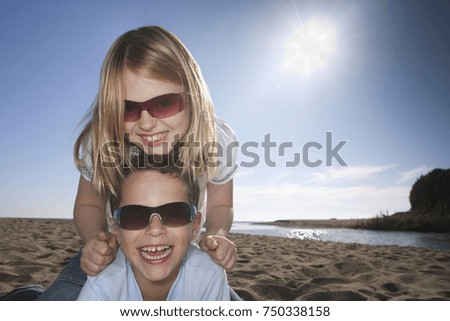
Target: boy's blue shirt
199,279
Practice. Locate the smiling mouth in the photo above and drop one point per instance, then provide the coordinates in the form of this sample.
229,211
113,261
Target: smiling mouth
155,253
154,138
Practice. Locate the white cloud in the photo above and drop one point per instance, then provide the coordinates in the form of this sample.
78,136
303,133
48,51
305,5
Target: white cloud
297,201
348,173
345,192
413,174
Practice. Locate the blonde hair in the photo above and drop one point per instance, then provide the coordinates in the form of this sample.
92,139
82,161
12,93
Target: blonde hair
154,51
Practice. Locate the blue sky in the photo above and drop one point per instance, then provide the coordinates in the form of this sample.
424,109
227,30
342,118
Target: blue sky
383,90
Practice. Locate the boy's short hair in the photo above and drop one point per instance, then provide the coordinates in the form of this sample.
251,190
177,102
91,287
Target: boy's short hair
190,184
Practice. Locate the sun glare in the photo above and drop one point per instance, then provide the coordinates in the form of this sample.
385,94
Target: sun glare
310,47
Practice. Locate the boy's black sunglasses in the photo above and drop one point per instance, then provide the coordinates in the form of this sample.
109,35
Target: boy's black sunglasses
137,217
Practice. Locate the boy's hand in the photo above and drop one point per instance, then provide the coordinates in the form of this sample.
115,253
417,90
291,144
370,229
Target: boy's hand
221,250
98,252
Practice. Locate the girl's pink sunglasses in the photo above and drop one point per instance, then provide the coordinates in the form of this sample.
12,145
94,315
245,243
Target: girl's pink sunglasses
158,107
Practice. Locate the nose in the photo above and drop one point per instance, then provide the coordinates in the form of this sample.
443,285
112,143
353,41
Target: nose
147,122
155,226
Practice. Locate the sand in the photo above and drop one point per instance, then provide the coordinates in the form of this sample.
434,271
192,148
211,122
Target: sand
269,268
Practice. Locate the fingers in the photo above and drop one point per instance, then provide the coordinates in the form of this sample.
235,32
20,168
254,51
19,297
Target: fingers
221,250
110,239
207,243
226,257
89,267
98,253
227,262
103,236
211,243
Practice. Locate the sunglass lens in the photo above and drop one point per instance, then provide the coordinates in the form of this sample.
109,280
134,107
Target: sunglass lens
134,217
132,112
167,105
175,214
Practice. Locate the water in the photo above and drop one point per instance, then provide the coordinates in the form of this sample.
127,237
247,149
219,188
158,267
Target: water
415,239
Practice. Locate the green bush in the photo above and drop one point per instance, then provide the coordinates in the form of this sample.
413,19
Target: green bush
431,192
430,207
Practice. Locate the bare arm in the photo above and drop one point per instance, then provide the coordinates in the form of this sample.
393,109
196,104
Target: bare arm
219,209
219,219
90,221
89,211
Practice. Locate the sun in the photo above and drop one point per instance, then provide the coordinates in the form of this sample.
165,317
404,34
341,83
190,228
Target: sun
310,47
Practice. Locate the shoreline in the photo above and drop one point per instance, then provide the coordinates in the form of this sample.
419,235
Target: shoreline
398,222
34,251
324,223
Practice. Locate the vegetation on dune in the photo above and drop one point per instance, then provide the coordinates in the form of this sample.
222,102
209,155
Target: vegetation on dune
431,192
430,207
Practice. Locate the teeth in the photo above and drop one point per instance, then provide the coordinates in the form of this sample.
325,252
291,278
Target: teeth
145,252
153,137
155,248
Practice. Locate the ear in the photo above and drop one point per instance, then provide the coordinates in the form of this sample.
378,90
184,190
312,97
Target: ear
115,230
196,226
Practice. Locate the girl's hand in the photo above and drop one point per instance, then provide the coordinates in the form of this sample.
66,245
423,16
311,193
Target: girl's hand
221,250
98,252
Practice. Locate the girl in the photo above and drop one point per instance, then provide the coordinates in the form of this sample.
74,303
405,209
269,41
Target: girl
152,101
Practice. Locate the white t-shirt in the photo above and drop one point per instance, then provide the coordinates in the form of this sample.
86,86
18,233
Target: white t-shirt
199,279
227,165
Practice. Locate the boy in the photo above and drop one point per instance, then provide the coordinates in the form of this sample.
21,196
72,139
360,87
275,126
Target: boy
154,222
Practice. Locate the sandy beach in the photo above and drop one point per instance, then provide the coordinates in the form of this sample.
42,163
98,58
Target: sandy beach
33,251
